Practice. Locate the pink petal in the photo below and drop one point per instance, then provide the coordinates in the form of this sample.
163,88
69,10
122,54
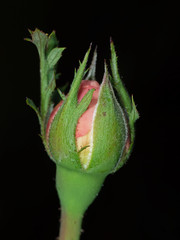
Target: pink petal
85,121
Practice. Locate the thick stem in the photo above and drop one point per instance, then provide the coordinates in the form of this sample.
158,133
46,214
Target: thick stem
76,191
70,226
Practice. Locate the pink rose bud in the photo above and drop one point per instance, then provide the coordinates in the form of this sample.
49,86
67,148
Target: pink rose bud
91,129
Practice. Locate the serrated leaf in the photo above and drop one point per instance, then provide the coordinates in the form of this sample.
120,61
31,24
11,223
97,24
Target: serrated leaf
54,56
40,39
52,42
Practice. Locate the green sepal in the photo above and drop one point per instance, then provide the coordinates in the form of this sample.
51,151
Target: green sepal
134,115
117,82
62,143
73,93
127,104
84,103
109,131
91,73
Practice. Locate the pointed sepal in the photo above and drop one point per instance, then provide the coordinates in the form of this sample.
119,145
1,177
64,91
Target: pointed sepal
117,82
72,98
61,141
91,75
109,131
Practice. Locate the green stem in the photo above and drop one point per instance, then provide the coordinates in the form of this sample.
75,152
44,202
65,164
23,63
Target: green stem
43,74
70,227
76,191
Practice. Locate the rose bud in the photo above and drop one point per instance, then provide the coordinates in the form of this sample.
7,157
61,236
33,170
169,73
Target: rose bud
92,140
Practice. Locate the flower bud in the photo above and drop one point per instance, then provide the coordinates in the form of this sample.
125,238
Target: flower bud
91,130
94,140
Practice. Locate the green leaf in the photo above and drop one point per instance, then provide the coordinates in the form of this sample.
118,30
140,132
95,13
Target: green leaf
49,55
40,39
54,56
52,42
30,103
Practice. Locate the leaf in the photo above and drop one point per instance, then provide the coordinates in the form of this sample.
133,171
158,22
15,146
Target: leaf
30,103
54,56
40,39
52,42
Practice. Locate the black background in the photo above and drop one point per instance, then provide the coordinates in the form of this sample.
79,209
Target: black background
141,201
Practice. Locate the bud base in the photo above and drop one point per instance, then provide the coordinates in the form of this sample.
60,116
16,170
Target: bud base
76,191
